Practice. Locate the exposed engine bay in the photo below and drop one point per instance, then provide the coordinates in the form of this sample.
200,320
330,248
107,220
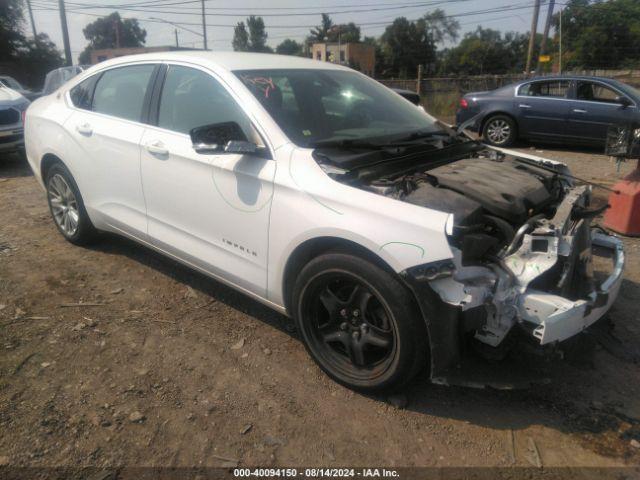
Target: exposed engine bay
521,235
490,199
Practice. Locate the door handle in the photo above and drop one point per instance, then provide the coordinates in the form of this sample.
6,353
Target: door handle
524,105
579,110
84,129
157,148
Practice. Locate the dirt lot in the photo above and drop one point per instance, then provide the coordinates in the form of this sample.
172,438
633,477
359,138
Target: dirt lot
165,367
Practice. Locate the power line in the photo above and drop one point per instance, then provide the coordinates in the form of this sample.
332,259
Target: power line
505,8
296,14
321,8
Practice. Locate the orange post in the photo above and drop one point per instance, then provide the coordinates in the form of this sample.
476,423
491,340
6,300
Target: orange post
624,215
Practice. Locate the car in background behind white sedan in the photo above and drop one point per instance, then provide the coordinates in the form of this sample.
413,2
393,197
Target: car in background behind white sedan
12,110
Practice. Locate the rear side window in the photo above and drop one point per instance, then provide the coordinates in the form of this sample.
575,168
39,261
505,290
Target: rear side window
554,89
81,94
120,92
191,98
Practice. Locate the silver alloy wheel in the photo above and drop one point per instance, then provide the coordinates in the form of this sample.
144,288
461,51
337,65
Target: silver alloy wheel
498,131
64,205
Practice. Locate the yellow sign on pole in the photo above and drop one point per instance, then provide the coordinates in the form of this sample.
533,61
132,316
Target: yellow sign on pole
544,58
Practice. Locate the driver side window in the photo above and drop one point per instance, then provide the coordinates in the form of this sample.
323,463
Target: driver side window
596,92
191,98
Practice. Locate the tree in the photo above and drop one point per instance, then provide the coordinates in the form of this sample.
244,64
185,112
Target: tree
112,32
327,31
406,44
11,19
251,37
289,47
30,58
600,34
37,57
257,35
240,41
486,51
344,32
321,32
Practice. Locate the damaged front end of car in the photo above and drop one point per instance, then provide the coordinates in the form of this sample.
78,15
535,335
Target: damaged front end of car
526,256
551,277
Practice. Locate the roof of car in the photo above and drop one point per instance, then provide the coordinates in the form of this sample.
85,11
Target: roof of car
229,60
571,77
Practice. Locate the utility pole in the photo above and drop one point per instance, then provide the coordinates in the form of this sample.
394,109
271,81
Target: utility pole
560,60
419,81
547,26
65,33
532,38
204,26
175,30
33,23
116,26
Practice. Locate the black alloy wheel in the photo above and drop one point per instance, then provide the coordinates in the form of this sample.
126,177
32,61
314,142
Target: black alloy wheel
359,322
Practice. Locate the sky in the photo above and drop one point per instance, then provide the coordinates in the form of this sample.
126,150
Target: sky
283,18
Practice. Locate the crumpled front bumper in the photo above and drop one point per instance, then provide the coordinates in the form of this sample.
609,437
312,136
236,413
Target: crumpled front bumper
558,318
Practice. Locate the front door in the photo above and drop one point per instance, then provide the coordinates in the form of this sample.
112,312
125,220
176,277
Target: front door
210,210
594,109
543,108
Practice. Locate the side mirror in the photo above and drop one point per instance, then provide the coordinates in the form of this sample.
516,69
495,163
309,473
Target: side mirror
624,101
226,137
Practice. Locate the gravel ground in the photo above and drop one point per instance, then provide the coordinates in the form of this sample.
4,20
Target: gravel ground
164,367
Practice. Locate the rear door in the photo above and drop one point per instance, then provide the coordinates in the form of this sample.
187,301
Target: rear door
108,134
543,108
593,109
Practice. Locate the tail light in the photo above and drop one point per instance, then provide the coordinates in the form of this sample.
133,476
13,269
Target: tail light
464,103
24,117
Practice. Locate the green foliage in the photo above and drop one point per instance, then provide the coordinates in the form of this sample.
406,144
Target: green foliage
321,32
240,41
289,47
251,37
37,58
11,20
32,58
600,35
406,44
106,31
486,51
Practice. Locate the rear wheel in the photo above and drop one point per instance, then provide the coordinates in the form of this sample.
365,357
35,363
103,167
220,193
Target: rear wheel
359,323
67,207
499,130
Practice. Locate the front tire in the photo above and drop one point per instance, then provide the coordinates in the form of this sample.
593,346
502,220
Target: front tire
359,323
500,131
67,207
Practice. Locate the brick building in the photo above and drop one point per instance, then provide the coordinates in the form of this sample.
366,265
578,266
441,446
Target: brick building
360,56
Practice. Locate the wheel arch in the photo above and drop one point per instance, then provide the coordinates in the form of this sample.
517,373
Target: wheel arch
313,247
439,319
48,161
496,113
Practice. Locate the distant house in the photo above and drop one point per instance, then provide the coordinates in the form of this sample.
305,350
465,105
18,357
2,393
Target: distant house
101,55
360,56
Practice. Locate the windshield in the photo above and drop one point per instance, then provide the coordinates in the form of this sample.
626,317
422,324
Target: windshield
313,106
11,83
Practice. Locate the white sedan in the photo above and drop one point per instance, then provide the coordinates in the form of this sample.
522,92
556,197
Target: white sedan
389,238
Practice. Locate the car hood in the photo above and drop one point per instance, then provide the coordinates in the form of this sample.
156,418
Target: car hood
9,95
